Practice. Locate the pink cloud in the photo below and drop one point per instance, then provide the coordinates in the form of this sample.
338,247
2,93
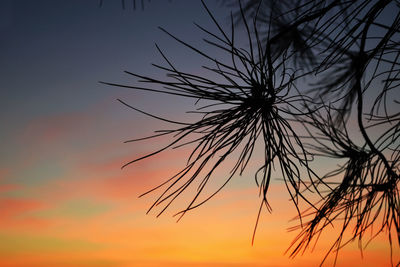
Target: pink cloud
16,213
12,207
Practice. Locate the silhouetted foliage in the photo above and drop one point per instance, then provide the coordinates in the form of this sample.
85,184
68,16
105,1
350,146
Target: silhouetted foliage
318,67
125,3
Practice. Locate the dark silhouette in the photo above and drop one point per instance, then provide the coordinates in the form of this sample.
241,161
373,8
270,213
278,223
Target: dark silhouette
316,67
125,3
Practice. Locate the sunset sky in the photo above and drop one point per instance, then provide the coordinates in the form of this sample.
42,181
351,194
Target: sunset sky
64,199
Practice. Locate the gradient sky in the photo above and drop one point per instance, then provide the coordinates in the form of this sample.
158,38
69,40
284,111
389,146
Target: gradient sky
64,200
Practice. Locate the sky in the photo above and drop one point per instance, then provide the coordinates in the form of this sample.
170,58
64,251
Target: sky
64,199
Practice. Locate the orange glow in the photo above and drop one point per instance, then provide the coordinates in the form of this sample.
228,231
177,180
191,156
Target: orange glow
217,234
90,215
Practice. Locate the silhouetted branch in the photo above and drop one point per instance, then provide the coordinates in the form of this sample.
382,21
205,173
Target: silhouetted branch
132,2
312,63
